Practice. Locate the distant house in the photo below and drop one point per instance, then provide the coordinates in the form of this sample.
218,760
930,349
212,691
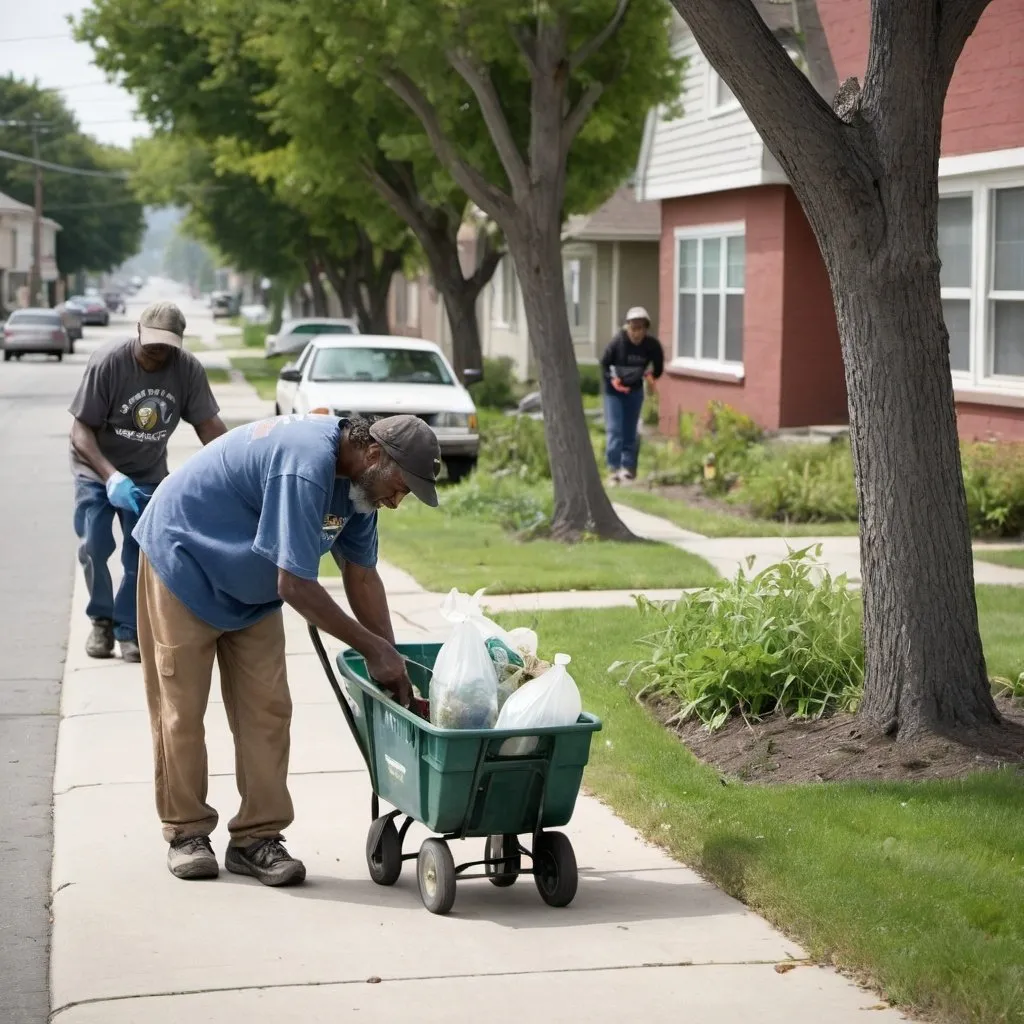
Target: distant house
16,221
746,309
609,260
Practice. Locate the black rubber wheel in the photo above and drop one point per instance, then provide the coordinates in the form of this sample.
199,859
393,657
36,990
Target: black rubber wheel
7,357
555,871
459,467
277,409
384,854
60,357
435,873
507,848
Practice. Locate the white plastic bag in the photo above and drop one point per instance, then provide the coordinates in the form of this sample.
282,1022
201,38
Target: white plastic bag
464,686
552,699
511,651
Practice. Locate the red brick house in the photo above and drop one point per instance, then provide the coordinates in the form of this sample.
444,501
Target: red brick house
746,310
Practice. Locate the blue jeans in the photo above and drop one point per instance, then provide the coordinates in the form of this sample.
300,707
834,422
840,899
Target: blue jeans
621,419
94,525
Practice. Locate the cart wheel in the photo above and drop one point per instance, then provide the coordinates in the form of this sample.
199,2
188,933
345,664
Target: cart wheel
435,872
384,852
554,867
503,848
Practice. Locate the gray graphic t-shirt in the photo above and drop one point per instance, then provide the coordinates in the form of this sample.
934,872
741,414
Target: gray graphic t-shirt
134,412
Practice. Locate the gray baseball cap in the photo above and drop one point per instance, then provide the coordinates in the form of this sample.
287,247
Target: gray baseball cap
413,446
162,323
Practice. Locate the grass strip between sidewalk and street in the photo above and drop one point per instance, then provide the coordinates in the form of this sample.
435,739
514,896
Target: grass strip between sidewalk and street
1012,558
915,888
217,375
442,552
261,373
712,523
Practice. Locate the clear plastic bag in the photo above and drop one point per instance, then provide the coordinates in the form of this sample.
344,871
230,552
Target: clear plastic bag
550,700
464,686
514,652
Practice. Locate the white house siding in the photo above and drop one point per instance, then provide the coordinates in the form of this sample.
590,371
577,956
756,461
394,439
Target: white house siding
705,150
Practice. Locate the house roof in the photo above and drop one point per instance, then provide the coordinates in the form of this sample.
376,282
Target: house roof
620,219
10,205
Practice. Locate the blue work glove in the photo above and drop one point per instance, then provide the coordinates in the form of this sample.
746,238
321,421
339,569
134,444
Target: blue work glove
124,494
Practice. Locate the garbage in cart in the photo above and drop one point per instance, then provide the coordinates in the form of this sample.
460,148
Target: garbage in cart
485,675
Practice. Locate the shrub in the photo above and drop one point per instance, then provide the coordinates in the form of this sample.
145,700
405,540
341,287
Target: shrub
497,389
801,483
590,378
994,481
507,501
651,413
254,335
514,446
777,641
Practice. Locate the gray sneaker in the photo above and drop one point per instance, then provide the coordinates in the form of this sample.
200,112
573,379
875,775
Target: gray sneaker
129,650
192,858
267,860
100,643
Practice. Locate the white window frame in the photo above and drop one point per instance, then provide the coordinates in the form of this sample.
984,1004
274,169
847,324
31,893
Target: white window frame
712,86
585,255
981,188
736,229
505,292
969,293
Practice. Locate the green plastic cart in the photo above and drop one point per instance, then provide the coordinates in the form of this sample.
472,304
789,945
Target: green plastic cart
460,784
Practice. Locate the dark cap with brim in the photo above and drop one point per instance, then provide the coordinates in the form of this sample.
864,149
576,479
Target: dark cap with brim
413,446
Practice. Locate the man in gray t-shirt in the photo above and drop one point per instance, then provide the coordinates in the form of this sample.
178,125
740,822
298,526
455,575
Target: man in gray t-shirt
131,398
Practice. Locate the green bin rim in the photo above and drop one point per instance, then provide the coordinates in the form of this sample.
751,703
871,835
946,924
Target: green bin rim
585,723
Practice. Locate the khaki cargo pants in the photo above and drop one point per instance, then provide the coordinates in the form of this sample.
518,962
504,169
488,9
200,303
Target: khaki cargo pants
178,650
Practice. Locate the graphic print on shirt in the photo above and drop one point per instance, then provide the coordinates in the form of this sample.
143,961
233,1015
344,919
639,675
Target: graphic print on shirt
331,528
152,412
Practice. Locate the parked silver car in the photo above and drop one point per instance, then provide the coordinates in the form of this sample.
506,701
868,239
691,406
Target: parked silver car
295,335
73,319
35,330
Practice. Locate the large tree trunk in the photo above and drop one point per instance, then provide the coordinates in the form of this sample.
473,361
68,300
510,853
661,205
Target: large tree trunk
581,503
460,308
316,287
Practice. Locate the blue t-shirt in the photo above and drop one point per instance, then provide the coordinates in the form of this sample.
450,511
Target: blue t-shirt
262,496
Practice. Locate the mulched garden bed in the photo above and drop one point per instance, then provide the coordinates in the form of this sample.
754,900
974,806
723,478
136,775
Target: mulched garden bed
840,749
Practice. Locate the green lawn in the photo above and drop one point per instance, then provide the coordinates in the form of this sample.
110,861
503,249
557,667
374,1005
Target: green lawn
194,343
722,524
919,887
261,373
442,552
215,375
1011,557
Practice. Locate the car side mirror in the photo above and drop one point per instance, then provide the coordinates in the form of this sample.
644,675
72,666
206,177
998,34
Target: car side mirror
290,374
472,377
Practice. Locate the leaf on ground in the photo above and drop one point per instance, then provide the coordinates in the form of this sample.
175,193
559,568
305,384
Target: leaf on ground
784,968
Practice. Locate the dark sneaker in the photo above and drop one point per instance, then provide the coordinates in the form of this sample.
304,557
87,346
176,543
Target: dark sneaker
267,860
192,858
129,650
627,476
101,639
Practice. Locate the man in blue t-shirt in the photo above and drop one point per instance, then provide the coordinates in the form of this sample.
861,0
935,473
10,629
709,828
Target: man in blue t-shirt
235,533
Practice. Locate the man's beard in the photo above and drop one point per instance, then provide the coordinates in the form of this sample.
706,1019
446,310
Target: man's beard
360,499
359,490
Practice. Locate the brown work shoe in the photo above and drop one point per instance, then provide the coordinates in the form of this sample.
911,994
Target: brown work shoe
267,860
192,858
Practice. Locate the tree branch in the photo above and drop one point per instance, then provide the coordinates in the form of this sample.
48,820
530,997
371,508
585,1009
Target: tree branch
589,48
577,117
488,264
527,46
958,19
488,197
479,80
796,124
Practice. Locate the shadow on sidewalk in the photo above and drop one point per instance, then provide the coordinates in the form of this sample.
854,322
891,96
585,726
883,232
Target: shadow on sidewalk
614,897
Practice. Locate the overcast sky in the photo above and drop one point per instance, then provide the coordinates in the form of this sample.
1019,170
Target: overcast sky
36,44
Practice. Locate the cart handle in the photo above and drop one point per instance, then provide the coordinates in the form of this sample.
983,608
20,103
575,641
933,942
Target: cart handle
325,661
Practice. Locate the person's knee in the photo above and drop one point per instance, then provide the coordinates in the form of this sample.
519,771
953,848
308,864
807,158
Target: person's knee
98,545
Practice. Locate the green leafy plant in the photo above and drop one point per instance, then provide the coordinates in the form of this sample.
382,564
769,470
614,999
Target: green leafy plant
787,639
1012,688
507,501
254,335
497,389
590,378
994,482
514,446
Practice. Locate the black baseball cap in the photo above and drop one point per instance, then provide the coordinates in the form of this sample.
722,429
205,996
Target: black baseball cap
413,446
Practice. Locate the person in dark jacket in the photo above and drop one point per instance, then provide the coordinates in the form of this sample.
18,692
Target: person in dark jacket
631,357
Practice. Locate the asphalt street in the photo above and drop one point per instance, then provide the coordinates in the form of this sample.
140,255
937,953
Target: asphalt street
37,566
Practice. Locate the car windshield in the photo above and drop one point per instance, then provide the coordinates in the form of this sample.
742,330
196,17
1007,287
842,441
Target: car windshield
50,319
379,366
322,329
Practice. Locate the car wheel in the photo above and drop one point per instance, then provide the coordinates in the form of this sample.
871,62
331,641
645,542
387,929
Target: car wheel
60,357
277,409
459,467
7,357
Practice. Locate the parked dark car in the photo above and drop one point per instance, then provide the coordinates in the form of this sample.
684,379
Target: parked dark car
94,310
72,318
35,331
115,302
224,304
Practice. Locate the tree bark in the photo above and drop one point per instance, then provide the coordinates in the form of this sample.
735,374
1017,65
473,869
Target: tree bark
316,288
868,182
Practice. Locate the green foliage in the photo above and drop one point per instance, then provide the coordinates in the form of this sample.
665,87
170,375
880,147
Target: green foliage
590,378
507,501
514,446
254,335
497,389
101,221
801,483
777,641
994,481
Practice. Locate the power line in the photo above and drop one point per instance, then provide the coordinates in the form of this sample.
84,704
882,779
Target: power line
46,165
34,39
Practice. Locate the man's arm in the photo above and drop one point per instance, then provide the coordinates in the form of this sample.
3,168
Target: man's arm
365,591
87,448
209,430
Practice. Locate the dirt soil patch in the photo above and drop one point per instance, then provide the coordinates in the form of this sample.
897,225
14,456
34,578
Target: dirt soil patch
840,749
695,496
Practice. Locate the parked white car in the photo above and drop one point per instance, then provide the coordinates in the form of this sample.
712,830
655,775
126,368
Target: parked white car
373,376
294,335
